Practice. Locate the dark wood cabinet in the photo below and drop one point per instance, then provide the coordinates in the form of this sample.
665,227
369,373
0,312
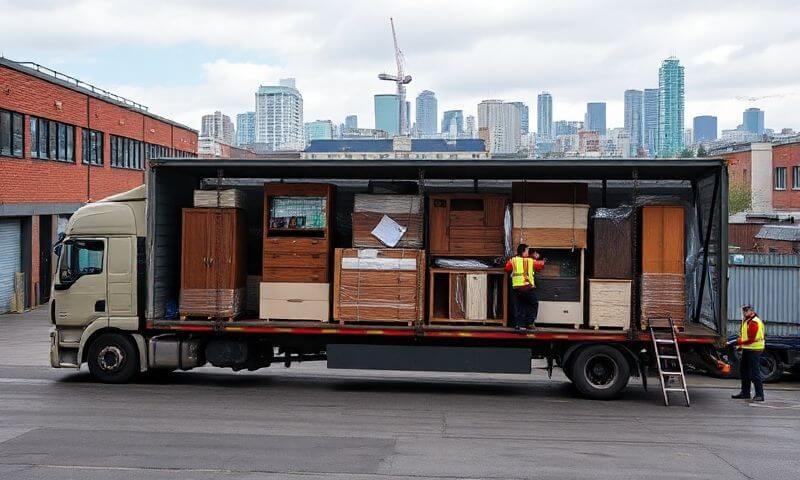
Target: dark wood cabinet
213,262
468,225
297,233
612,256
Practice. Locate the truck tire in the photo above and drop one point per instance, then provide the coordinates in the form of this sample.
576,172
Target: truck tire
600,372
113,358
771,367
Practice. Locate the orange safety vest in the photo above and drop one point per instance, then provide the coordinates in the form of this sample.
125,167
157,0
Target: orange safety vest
758,343
522,273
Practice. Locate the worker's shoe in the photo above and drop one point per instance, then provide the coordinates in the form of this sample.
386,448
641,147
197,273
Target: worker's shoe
520,330
758,399
741,396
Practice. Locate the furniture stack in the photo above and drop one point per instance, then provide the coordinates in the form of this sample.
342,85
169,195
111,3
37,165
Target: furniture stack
297,250
213,256
553,218
663,291
379,285
467,225
612,268
404,211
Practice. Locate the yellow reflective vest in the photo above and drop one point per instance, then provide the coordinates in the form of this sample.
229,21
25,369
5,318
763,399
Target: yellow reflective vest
522,272
758,342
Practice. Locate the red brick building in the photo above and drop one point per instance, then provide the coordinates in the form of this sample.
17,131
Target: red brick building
64,143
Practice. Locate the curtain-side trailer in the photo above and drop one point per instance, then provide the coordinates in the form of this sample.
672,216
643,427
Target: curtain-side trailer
119,274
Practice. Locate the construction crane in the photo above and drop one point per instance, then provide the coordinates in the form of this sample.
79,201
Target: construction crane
401,79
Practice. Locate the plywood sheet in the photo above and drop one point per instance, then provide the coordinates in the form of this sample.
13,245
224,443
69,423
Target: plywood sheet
550,215
476,296
549,237
610,303
612,248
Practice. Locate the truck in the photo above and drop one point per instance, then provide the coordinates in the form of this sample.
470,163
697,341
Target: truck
112,305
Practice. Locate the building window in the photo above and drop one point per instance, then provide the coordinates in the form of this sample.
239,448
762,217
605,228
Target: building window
780,178
10,134
92,147
51,140
126,153
796,177
157,151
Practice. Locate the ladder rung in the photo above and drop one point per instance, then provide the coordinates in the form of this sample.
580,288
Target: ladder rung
660,340
668,357
671,373
674,389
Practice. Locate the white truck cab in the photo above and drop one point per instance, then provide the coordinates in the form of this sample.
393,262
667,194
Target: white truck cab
95,304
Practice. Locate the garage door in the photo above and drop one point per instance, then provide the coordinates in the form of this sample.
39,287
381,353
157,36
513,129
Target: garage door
10,254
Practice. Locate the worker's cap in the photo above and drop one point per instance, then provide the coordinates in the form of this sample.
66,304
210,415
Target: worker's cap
747,306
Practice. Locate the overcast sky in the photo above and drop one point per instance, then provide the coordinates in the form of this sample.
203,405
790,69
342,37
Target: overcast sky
187,58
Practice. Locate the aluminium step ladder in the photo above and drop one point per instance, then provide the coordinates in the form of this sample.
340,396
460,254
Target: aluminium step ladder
668,358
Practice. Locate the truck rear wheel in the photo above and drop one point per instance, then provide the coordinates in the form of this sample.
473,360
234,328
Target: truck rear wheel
600,372
113,358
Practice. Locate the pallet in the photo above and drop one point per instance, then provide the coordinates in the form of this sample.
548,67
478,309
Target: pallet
609,328
538,324
409,323
207,318
467,323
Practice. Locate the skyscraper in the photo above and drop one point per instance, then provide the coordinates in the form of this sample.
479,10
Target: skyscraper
523,116
753,121
387,113
502,123
279,116
218,127
670,108
319,130
705,128
633,120
453,116
470,127
427,113
596,117
351,122
245,128
651,120
544,115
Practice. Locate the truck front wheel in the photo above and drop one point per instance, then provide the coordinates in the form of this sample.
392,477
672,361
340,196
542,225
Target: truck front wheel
113,358
600,372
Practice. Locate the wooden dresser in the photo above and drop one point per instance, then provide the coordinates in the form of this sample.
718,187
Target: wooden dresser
466,225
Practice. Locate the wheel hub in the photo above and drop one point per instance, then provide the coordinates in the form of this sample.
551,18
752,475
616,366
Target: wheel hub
110,358
601,371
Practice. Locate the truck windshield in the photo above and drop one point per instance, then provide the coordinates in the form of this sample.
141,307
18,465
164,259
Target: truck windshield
79,258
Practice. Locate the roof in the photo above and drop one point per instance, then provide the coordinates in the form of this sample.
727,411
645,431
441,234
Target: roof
385,145
788,233
290,166
62,80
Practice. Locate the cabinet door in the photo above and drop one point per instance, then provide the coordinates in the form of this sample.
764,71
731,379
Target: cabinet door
222,241
652,240
673,253
195,253
495,210
439,225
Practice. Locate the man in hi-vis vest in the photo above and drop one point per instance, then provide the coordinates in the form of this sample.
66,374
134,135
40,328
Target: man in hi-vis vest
751,342
523,269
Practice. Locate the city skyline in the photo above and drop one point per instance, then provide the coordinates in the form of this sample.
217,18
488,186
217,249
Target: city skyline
185,73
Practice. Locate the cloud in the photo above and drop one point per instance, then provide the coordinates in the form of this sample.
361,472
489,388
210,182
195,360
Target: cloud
463,50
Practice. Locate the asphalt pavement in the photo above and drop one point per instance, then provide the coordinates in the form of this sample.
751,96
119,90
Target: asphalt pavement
306,422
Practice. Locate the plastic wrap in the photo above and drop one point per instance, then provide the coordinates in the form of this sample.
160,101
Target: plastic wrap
618,215
461,263
405,210
663,295
297,212
379,285
212,302
508,224
231,198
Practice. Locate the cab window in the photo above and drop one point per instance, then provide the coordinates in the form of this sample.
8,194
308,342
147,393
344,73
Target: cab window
79,258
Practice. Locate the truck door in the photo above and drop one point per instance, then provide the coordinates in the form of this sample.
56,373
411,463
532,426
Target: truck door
121,292
80,291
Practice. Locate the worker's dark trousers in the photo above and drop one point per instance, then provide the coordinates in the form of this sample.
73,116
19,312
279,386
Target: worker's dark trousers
526,307
751,372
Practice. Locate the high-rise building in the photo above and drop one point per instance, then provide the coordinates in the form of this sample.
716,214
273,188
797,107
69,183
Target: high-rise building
753,121
245,128
596,117
670,108
502,123
218,127
544,115
427,113
567,127
651,120
523,116
453,116
633,120
705,128
319,130
279,116
470,127
387,113
351,122
688,137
